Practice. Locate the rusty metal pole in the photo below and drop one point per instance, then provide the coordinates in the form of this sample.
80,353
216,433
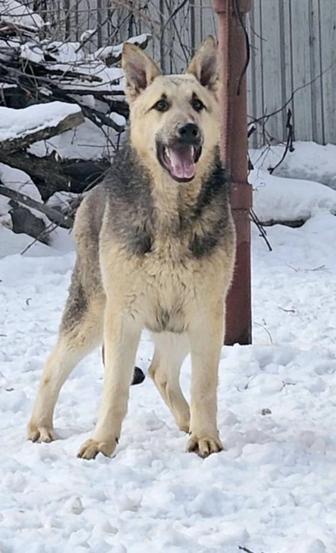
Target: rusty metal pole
232,58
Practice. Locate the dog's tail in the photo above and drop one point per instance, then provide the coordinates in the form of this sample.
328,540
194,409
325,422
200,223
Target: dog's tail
138,376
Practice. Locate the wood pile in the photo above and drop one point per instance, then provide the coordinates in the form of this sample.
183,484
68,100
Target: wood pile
40,77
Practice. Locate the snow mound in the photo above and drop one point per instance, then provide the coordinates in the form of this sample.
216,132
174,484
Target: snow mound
278,199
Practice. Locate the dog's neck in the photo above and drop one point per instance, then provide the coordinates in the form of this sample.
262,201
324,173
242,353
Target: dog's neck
172,200
148,211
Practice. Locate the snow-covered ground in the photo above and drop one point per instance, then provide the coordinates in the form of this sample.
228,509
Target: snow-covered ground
273,488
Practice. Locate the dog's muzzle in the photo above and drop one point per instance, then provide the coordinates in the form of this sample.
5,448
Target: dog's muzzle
179,156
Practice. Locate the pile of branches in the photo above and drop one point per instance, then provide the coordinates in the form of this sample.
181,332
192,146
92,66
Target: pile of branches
37,70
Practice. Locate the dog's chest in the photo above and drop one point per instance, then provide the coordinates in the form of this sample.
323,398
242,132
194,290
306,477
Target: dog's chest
170,281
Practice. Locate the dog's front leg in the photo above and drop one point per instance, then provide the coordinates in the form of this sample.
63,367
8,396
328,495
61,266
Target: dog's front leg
121,338
206,338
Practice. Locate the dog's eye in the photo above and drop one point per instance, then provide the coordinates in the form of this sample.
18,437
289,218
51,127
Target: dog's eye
197,104
161,105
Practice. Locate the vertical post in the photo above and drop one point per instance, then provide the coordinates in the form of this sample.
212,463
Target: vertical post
232,58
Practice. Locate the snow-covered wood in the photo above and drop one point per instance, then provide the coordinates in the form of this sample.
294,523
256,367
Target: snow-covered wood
15,17
20,128
112,54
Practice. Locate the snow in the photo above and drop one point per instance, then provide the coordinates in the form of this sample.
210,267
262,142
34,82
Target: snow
309,161
15,13
115,51
273,488
6,85
93,75
19,180
283,199
15,123
65,52
32,52
84,142
303,185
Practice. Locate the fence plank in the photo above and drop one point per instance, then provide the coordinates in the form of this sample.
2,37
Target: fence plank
301,69
272,77
255,74
317,107
328,49
286,57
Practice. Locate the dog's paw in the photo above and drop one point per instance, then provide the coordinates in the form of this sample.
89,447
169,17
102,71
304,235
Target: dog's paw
204,445
40,433
91,448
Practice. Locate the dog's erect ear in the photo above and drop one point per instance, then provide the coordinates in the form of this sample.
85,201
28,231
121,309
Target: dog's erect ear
204,64
140,70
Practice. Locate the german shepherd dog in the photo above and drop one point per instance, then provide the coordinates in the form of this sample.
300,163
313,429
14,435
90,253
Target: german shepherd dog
155,250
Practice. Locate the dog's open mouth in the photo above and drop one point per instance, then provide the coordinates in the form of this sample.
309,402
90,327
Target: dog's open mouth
179,160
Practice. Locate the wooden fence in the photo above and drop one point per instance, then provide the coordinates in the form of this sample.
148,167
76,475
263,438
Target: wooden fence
293,50
293,45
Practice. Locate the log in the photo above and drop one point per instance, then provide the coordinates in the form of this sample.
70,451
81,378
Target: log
55,216
50,175
31,130
25,222
294,223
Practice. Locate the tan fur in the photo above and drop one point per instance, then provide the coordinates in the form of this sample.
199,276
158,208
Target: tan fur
125,293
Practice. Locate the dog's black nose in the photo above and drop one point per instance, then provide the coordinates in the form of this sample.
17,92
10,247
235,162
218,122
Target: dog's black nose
189,134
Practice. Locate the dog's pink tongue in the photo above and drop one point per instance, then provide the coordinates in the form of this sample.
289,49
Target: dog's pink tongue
182,162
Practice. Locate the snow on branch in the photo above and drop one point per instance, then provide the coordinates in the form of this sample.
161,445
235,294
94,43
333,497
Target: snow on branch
112,54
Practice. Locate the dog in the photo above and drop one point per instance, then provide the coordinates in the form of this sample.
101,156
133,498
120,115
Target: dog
156,250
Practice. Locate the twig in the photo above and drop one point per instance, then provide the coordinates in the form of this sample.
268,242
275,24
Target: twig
48,230
247,44
245,549
259,225
289,143
266,330
298,270
286,310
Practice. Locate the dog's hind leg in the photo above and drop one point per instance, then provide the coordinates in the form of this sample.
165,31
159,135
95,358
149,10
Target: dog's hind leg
81,331
170,352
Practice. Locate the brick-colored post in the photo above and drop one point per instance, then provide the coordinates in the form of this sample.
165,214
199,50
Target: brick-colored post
232,58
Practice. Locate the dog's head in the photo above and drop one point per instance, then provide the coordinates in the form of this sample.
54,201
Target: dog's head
174,119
